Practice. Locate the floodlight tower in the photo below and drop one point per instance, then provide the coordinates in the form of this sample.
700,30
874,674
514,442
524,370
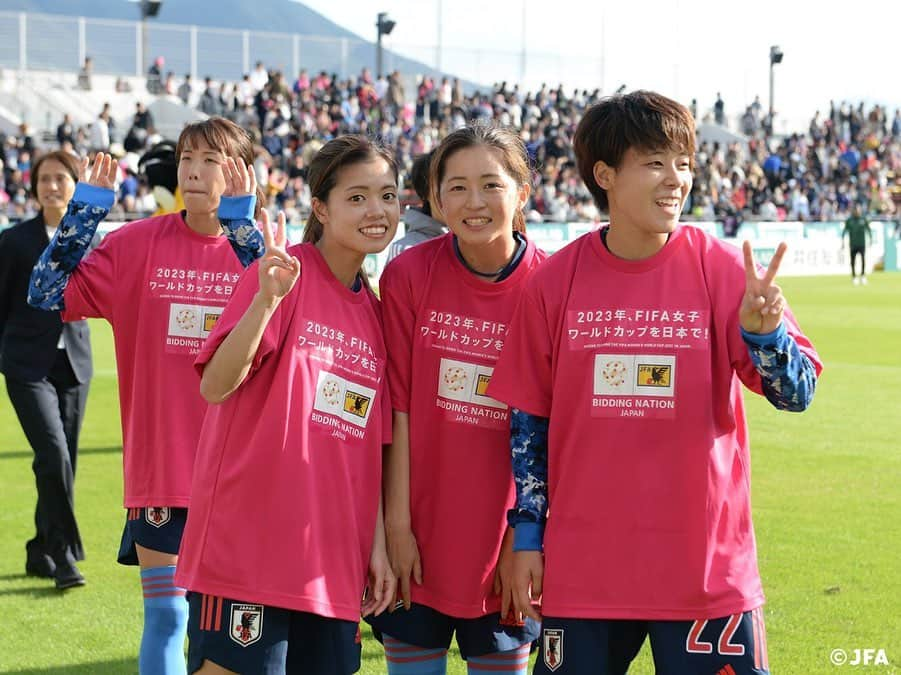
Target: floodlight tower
149,9
775,57
384,26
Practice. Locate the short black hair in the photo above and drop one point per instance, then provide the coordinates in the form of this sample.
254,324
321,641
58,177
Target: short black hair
644,120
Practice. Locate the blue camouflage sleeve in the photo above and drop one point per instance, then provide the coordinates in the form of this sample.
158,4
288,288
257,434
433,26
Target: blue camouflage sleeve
236,216
528,446
73,239
788,377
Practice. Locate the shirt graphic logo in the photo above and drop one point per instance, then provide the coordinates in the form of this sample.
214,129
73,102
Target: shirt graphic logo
192,321
639,375
482,384
331,391
455,379
186,319
246,624
654,376
614,372
466,382
210,319
347,400
552,648
356,404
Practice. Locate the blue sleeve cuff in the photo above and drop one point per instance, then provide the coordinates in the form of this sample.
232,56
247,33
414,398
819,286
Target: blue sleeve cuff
764,339
528,537
237,208
93,195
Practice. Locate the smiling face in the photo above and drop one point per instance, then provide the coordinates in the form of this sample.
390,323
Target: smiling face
200,176
361,212
477,196
647,191
55,185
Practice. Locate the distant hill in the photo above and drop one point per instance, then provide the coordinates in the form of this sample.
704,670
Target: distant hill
215,58
272,15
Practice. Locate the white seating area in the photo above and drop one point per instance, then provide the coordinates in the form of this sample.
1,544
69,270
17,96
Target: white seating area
41,98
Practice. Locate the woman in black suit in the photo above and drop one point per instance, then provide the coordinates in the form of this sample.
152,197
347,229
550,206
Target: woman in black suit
47,366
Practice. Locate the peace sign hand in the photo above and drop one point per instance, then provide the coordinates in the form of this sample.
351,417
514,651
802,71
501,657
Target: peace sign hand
240,180
278,270
763,304
101,174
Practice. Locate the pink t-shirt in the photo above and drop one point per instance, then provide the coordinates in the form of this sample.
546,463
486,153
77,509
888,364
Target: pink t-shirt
445,329
162,287
288,473
639,365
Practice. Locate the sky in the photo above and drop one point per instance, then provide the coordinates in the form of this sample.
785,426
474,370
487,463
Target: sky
682,48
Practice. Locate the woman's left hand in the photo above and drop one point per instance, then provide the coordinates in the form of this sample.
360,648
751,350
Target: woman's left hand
763,304
240,180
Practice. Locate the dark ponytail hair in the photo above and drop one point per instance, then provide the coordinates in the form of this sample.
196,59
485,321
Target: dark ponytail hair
331,158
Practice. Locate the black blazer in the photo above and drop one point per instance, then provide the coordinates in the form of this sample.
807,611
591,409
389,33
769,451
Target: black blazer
28,336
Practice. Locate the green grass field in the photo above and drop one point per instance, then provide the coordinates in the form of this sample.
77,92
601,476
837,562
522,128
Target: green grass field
826,496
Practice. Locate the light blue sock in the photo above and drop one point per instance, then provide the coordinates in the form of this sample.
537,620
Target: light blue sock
404,659
165,624
514,662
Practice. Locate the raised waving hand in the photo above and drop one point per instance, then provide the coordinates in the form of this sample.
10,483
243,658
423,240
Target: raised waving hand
240,179
102,173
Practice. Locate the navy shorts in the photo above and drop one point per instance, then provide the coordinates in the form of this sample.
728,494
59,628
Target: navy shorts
428,628
158,528
731,645
254,639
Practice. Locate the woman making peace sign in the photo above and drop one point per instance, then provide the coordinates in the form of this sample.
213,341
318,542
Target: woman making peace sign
285,517
625,362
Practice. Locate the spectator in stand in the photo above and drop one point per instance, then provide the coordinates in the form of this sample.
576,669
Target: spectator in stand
185,90
65,131
245,91
209,99
128,191
259,77
100,132
84,75
143,119
851,154
302,83
110,122
719,110
396,96
135,139
227,99
155,76
25,140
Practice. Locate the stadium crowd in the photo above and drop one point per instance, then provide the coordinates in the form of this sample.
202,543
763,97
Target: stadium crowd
847,156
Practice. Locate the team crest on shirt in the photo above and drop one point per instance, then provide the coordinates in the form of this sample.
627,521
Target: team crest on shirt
552,648
210,319
654,375
157,515
356,403
246,624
